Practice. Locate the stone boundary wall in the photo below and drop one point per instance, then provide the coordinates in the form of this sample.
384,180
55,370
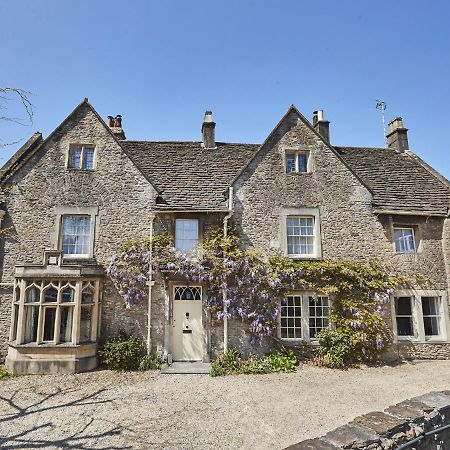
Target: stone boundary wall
392,428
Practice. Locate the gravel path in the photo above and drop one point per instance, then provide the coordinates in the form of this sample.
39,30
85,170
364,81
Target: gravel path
107,410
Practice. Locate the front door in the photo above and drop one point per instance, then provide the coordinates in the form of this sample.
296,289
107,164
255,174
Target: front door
188,333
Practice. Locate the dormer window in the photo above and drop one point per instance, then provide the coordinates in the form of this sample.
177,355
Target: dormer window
81,157
297,162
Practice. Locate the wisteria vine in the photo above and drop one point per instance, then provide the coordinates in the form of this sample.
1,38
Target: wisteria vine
255,287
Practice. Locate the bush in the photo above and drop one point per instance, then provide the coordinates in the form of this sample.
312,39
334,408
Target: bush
150,362
334,347
4,373
230,363
122,352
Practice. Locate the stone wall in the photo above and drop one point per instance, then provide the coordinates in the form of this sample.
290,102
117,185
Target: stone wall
349,229
123,196
420,421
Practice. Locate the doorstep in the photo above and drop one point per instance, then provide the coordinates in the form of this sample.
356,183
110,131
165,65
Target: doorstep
187,367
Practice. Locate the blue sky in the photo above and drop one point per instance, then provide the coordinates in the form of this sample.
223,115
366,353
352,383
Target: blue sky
162,64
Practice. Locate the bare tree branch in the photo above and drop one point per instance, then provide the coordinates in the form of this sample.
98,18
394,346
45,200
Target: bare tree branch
10,94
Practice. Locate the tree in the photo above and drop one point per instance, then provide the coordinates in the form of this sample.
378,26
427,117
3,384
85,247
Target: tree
9,96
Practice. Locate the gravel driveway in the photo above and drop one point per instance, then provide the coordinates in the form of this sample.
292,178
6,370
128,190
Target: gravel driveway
107,410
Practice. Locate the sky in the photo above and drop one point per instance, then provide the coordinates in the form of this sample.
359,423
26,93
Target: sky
161,64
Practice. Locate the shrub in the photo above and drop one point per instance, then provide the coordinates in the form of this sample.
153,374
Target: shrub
334,347
230,363
4,373
122,352
150,362
282,362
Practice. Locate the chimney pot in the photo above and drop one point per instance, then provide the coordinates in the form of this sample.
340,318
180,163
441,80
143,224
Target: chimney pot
208,131
397,137
321,125
118,121
110,121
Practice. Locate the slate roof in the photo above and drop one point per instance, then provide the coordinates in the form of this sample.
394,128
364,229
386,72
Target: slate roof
188,176
399,181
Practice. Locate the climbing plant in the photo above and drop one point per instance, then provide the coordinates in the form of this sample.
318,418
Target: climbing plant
243,284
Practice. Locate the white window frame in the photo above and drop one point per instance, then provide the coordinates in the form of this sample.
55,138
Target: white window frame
301,212
61,238
296,153
194,250
21,288
83,147
417,315
400,227
305,331
61,211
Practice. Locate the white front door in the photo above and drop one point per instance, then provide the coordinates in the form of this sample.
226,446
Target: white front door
188,333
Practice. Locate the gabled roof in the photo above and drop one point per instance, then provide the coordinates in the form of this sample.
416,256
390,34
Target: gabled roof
36,142
188,176
400,182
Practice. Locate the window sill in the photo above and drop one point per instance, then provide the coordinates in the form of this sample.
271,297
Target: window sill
427,341
304,257
298,173
48,345
74,169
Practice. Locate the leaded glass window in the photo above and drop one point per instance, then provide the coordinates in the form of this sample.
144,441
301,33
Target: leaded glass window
297,162
81,157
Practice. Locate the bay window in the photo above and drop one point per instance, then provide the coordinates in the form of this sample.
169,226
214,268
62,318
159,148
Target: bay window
49,311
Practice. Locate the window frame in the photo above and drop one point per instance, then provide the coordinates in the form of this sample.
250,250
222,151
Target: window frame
187,219
414,234
301,213
56,237
297,151
83,148
61,285
305,317
417,316
61,238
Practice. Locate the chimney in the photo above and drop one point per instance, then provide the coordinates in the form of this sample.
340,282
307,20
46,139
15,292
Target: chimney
397,137
115,125
321,126
208,133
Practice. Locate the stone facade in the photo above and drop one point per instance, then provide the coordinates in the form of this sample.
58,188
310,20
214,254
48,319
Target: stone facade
124,199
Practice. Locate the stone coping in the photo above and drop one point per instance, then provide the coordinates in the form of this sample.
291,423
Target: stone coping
387,430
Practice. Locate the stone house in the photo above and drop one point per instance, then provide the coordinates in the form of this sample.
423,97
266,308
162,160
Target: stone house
70,200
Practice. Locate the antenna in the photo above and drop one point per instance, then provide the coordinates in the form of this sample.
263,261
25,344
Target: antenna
382,107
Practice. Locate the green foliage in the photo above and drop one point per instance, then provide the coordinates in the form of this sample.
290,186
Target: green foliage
334,348
230,363
122,352
150,362
4,373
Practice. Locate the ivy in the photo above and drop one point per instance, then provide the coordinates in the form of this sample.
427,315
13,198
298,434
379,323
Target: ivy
254,287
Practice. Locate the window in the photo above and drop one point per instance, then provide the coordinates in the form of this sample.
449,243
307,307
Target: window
404,240
421,316
75,235
404,316
186,235
50,312
303,316
297,162
81,157
300,236
431,312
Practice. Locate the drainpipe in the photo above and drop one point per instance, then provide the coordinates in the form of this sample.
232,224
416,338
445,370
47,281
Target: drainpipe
150,284
224,291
